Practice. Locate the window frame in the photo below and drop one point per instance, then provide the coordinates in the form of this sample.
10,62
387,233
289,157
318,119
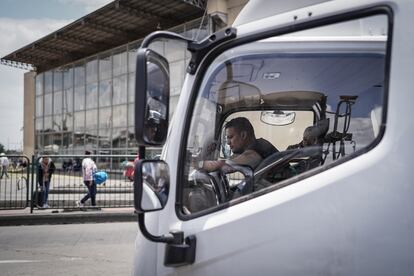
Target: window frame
332,19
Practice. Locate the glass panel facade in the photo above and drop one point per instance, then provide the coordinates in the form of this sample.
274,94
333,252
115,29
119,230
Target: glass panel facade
105,118
79,121
92,95
39,106
119,116
57,102
132,55
120,62
67,77
79,74
57,123
91,119
105,96
39,84
48,85
90,104
131,88
57,80
79,98
92,71
105,67
120,90
48,104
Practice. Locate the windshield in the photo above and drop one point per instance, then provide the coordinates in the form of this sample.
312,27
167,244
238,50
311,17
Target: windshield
276,108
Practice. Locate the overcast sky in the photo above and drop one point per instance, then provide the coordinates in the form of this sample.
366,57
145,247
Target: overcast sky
22,22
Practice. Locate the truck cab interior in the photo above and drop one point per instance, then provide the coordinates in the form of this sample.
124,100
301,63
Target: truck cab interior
316,101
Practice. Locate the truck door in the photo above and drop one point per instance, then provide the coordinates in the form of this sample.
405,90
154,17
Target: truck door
278,215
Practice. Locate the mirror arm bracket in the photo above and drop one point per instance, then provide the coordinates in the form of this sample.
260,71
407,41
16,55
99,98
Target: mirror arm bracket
200,49
178,252
162,34
163,239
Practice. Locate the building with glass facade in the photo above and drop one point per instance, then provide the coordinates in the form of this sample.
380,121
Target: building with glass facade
81,97
89,104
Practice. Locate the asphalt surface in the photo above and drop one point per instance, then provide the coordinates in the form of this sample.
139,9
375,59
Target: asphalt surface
75,249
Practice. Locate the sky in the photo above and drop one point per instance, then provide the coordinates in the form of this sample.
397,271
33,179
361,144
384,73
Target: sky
23,22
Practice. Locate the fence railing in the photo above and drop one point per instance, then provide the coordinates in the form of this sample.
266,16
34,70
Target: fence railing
22,187
14,182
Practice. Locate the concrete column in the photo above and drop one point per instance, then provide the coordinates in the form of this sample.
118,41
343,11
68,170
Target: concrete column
29,113
224,12
233,9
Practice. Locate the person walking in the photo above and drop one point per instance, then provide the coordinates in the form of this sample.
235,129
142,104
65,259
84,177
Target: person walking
88,169
45,170
4,161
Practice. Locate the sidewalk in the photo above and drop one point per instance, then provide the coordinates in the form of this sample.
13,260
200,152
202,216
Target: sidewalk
67,216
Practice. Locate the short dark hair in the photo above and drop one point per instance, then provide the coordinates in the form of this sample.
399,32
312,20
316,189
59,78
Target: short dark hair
241,124
87,152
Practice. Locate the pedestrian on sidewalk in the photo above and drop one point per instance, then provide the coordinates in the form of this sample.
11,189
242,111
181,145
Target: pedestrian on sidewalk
4,162
45,170
88,169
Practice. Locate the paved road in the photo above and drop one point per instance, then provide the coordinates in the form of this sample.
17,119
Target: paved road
71,249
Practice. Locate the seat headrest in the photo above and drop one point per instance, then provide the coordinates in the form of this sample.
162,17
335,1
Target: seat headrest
317,131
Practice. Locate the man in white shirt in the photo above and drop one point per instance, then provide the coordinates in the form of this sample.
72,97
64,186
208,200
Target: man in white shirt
88,169
4,161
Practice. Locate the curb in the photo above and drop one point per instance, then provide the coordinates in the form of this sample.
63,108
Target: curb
64,218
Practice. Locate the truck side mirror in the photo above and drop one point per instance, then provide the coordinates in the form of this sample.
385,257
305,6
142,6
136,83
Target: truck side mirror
152,95
151,185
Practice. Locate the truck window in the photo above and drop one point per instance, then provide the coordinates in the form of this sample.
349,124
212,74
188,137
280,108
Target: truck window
276,108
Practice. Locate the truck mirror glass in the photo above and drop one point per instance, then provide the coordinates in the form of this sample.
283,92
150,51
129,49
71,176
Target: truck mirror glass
151,185
152,94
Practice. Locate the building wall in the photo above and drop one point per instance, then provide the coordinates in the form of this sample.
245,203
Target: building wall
28,113
224,12
233,9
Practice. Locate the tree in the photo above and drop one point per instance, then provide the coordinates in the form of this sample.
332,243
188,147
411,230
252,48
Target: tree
2,149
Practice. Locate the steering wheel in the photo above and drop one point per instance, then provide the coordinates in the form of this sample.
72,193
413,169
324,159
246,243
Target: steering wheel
203,192
245,186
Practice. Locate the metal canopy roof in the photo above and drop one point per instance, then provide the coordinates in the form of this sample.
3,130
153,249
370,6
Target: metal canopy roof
113,25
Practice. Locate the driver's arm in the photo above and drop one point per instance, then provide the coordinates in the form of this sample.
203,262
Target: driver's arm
211,166
249,158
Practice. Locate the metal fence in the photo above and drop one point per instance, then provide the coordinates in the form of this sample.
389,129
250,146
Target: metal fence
14,182
67,186
20,186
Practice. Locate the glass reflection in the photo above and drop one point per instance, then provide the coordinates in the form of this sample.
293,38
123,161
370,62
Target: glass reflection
39,84
119,116
105,117
157,99
48,104
105,67
120,90
92,95
105,93
155,182
48,82
80,98
120,63
57,102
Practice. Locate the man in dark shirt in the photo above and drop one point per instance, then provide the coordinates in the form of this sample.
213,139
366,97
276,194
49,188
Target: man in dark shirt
247,150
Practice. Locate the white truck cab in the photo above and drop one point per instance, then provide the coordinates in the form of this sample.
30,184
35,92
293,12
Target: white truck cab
328,86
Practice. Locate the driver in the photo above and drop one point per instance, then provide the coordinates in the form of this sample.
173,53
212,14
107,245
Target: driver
247,150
